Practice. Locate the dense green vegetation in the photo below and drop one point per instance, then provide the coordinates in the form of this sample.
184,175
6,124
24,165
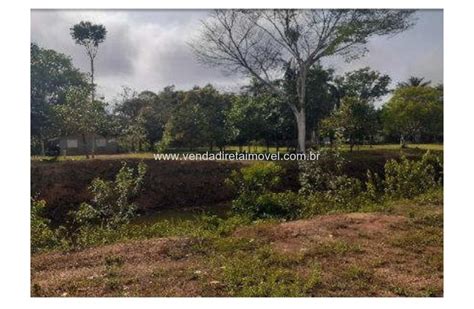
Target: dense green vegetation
254,117
324,188
235,255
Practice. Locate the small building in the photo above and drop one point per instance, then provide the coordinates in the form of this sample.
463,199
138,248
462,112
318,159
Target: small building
74,145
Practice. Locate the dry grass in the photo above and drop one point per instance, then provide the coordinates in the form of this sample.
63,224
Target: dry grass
394,254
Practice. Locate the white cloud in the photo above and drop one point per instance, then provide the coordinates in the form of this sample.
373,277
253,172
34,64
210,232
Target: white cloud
147,49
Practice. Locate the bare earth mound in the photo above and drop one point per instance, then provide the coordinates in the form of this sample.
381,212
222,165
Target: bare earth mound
356,255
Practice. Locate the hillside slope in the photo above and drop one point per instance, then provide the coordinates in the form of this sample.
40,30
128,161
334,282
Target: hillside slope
360,254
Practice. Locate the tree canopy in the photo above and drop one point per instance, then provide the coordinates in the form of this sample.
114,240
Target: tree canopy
263,43
415,113
90,36
52,74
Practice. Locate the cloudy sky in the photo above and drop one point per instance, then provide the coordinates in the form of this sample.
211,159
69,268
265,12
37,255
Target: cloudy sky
147,49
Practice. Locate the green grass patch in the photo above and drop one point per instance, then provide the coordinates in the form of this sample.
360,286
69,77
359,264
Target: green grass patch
264,273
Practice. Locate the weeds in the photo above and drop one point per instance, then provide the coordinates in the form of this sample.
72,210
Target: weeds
113,266
333,248
419,239
265,273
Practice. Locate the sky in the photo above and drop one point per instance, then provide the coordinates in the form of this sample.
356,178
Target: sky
148,49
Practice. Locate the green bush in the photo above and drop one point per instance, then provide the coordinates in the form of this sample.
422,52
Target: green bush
285,205
343,189
374,187
315,176
259,177
409,178
112,203
326,187
255,198
42,236
111,207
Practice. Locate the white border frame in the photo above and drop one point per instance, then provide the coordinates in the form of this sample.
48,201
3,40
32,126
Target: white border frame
15,158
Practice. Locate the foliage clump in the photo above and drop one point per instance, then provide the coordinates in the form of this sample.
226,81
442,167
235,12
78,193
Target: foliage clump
256,196
318,175
409,178
42,235
324,188
112,203
97,222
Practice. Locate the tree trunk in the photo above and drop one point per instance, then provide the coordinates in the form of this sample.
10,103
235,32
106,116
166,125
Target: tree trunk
93,146
301,125
43,153
92,100
402,141
317,140
312,139
299,111
92,80
84,142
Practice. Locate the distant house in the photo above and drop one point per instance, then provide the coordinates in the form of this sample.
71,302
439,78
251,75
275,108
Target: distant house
74,145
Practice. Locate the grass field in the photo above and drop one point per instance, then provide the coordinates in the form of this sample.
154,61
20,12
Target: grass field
397,251
254,149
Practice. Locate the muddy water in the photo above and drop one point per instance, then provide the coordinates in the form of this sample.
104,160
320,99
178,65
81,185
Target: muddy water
186,213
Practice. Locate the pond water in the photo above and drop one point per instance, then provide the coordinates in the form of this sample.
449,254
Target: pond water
185,213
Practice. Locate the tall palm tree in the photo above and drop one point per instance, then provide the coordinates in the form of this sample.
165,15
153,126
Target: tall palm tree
414,82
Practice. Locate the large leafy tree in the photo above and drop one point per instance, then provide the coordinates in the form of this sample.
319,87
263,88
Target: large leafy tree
144,115
364,83
256,114
321,97
356,118
90,36
199,119
263,43
256,118
78,115
130,111
414,113
52,74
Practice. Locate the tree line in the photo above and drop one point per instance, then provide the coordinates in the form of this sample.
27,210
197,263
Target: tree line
206,117
291,100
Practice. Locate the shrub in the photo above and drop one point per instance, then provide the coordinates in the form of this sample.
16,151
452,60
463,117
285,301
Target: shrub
111,207
374,186
343,189
42,236
409,178
112,200
285,205
257,178
326,186
254,185
316,175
